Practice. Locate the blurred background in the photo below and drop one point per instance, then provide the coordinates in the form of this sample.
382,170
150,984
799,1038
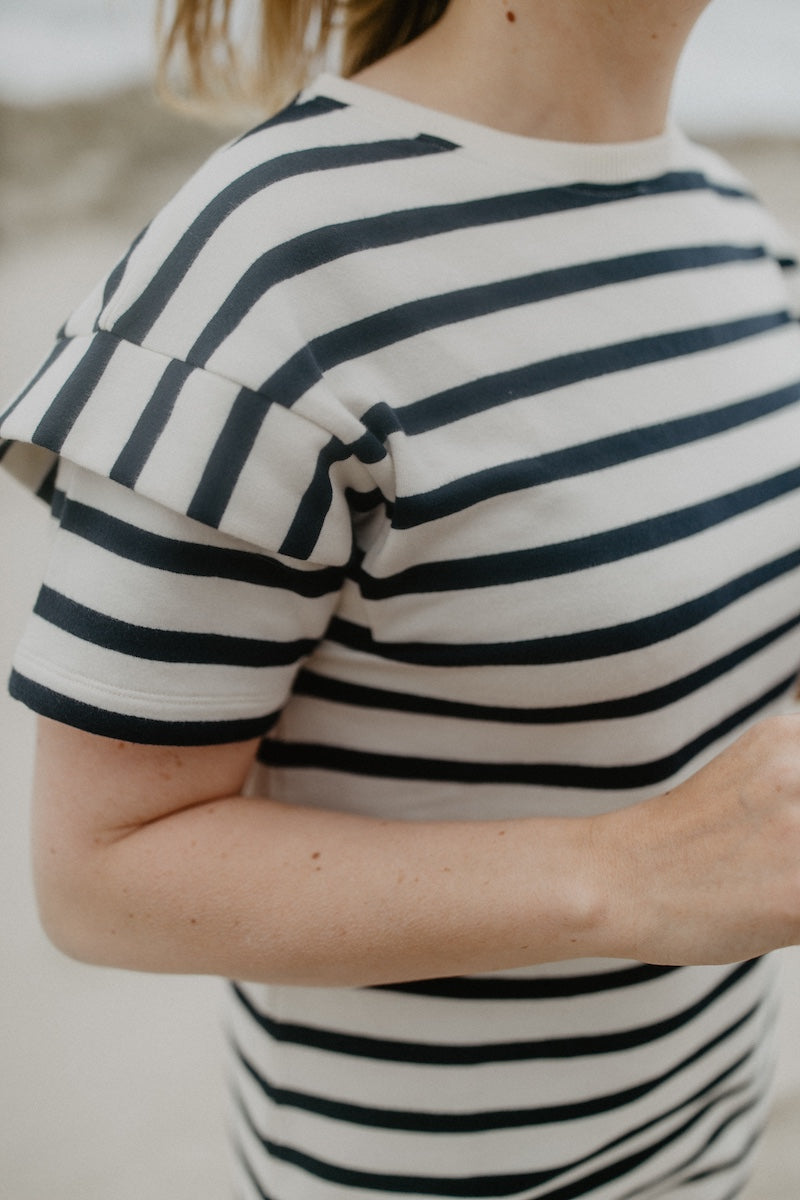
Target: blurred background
110,1081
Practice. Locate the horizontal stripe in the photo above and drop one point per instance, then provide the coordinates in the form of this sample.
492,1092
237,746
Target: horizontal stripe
744,1109
639,537
506,1184
733,1162
468,1055
390,326
328,244
144,730
309,683
439,1123
544,987
534,379
191,558
584,458
165,645
571,647
245,419
746,1142
317,106
315,756
654,1147
227,459
578,554
139,318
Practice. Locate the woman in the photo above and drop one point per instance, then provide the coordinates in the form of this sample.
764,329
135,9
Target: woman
421,625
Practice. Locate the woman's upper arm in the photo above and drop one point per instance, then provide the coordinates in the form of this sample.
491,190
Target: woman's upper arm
90,791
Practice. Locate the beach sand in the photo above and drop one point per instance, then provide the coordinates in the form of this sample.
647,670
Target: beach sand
111,1080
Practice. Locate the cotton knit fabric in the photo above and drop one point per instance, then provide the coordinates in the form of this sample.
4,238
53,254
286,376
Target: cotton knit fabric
463,468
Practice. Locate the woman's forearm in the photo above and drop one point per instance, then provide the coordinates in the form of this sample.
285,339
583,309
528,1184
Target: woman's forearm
248,888
148,858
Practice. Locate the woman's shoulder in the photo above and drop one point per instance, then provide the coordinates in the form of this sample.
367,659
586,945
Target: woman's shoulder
273,202
318,161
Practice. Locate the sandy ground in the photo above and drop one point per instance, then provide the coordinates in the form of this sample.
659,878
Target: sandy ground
110,1081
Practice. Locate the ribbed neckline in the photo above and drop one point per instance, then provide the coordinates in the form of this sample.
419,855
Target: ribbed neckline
564,162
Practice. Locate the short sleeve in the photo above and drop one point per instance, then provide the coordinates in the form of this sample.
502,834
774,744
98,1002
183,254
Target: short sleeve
202,539
204,473
153,628
191,374
234,458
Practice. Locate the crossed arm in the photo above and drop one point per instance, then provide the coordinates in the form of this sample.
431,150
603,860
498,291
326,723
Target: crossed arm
152,858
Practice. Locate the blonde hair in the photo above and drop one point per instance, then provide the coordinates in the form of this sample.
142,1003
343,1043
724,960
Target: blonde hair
205,57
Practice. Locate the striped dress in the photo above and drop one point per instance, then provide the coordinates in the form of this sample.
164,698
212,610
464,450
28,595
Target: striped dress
464,469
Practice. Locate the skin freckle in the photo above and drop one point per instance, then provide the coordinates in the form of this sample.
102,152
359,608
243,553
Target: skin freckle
316,854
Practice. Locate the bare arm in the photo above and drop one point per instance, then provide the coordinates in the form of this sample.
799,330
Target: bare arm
149,858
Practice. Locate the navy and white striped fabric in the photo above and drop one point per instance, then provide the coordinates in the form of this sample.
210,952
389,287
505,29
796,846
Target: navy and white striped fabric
465,469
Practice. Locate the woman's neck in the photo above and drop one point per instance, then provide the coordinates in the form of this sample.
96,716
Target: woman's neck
568,70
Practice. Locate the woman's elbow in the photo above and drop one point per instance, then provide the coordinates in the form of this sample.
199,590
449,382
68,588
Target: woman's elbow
78,909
